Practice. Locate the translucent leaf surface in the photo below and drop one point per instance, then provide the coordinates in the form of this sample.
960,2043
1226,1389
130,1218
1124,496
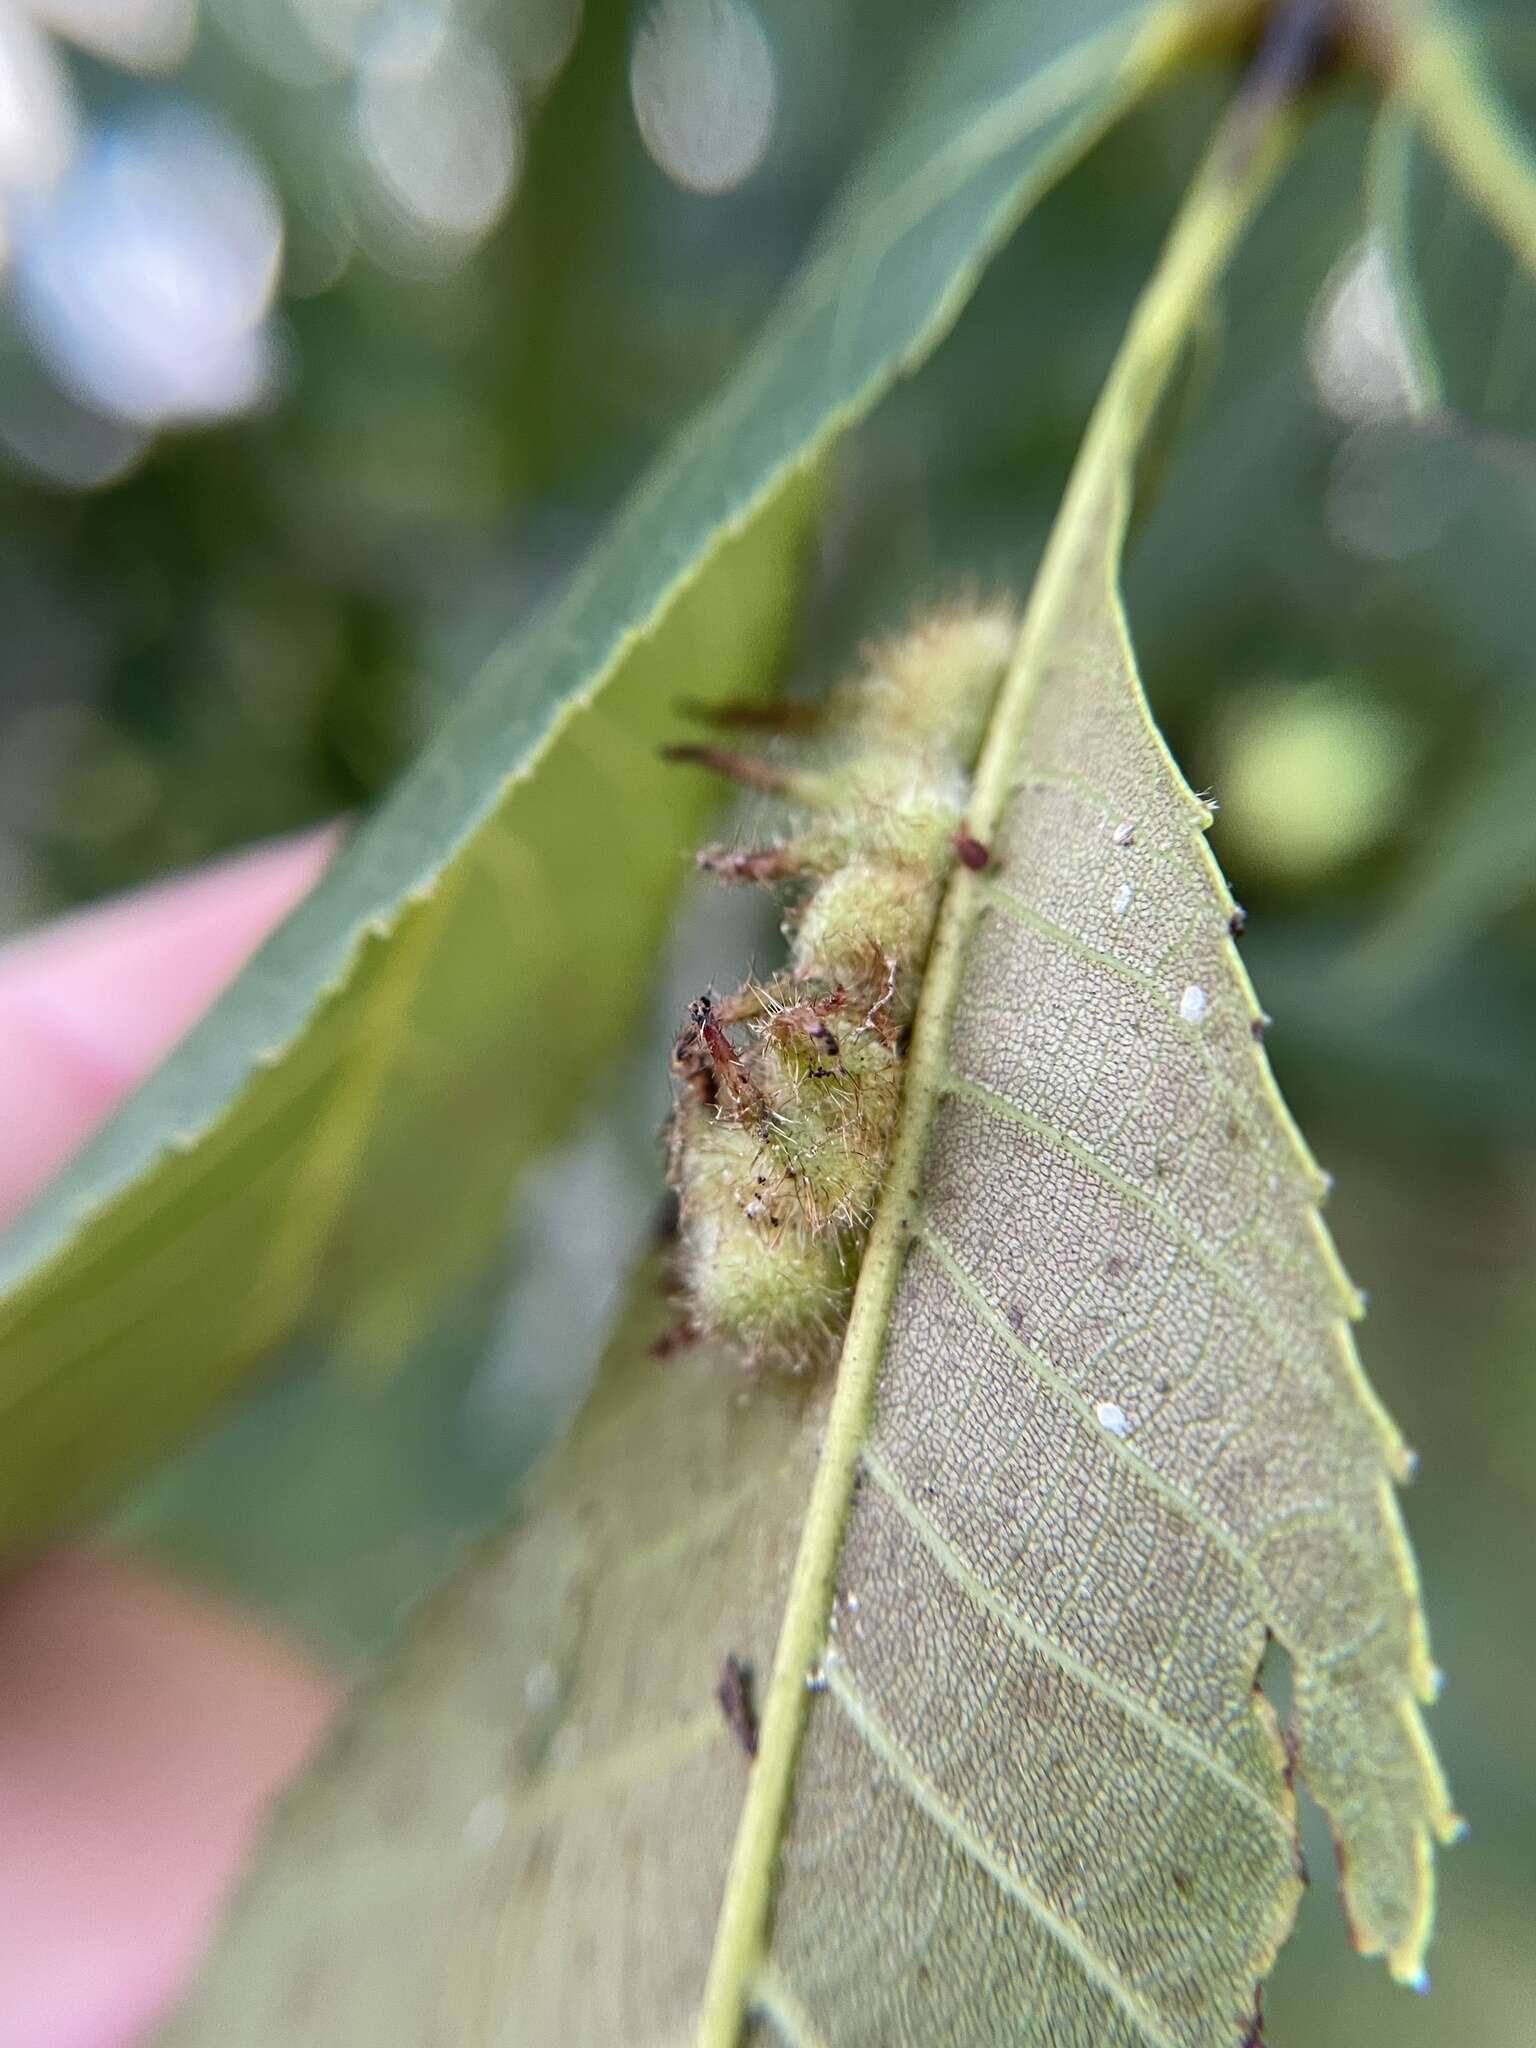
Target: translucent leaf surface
344,1125
1098,1430
523,1836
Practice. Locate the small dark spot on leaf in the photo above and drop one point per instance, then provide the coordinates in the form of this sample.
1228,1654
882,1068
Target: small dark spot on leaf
1016,1318
971,852
664,1227
1182,1881
1258,1027
734,1692
677,1338
1237,923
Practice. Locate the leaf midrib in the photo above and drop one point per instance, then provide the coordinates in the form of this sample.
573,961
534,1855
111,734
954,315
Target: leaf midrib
1222,198
929,1798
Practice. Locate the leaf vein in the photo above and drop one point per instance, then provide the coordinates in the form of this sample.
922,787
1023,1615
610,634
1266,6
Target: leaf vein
597,1779
776,2002
1169,1731
1031,777
1013,906
1100,1969
1257,1308
1167,1490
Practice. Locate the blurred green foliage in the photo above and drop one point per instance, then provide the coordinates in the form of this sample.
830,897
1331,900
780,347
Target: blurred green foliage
254,629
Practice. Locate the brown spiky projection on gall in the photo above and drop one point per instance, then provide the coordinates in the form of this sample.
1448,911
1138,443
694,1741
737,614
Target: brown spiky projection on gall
789,1088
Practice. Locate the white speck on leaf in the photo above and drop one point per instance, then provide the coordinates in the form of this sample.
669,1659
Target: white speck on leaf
486,1822
1124,835
1193,1004
541,1688
1125,896
1113,1418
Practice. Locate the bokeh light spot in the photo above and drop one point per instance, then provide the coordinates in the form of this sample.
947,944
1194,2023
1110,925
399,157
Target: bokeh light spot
145,277
1394,490
140,35
1310,776
37,108
1361,363
442,141
701,76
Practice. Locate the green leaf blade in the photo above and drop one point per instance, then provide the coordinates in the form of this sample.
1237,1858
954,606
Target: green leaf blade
365,1160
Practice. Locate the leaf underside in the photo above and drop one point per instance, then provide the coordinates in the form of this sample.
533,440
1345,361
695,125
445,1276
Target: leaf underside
340,1131
523,1836
1098,1432
1117,1435
1044,1708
